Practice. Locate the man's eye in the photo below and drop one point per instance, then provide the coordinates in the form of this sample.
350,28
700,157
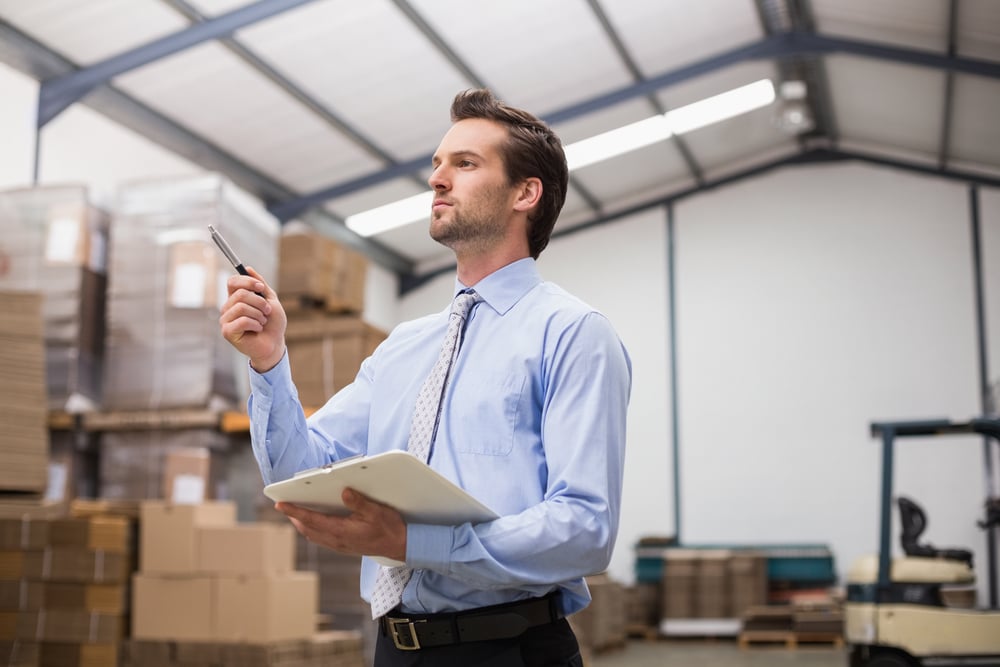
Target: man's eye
466,163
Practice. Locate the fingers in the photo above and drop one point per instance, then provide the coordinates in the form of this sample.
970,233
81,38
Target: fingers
247,289
261,286
371,528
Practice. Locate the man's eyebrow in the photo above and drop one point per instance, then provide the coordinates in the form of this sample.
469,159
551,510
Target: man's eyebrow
465,152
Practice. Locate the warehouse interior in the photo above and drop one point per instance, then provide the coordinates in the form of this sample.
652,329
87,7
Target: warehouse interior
784,278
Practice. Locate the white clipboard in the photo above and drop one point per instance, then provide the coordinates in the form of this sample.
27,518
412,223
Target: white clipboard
396,478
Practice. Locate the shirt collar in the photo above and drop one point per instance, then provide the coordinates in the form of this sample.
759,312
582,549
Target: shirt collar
504,287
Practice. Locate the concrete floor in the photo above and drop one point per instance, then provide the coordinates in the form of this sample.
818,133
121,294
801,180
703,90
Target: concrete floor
715,653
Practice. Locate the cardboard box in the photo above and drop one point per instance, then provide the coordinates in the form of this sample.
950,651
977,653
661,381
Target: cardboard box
133,461
103,598
250,548
20,654
268,608
62,625
315,269
107,533
24,594
186,475
78,655
21,594
165,269
325,353
167,607
169,543
66,564
55,242
23,534
24,438
224,608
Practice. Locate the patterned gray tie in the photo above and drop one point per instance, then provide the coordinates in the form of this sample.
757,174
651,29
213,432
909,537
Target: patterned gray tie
391,581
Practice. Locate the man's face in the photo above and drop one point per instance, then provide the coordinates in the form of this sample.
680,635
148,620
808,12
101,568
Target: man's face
473,201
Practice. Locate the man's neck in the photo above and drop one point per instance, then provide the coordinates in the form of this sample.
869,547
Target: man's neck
472,269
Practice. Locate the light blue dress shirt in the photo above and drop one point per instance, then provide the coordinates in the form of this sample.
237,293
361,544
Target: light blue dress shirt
532,425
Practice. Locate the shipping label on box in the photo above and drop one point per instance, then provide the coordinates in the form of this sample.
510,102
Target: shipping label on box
186,475
193,275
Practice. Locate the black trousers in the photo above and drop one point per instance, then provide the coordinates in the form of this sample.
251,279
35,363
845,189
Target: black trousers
551,645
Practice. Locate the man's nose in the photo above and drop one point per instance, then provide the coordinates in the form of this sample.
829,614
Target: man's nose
437,179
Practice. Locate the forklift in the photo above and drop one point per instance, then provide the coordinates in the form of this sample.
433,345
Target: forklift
920,609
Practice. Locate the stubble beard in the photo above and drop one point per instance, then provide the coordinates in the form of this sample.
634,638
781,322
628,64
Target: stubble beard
476,229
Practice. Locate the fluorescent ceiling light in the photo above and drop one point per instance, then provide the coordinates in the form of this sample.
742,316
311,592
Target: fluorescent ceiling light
721,107
398,213
616,142
594,149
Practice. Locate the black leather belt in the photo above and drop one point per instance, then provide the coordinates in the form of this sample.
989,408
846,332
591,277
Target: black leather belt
410,633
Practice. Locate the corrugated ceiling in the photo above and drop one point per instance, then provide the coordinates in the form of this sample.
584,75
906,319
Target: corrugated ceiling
330,107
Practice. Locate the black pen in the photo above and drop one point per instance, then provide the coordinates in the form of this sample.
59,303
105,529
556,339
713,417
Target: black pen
230,255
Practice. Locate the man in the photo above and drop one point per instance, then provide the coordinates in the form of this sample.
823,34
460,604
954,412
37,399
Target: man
530,421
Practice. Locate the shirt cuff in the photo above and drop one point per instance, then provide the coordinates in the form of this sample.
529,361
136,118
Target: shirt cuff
428,547
262,384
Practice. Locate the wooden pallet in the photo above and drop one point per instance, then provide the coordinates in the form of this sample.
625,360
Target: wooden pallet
789,640
641,631
608,647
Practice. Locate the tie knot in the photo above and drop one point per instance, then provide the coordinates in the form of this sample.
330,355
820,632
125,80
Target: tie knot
463,304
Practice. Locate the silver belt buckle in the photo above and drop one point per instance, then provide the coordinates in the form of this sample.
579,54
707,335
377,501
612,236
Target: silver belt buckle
407,639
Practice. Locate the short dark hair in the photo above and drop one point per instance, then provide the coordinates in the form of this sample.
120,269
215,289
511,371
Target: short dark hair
532,150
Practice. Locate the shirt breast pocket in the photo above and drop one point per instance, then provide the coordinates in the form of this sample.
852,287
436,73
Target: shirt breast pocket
490,407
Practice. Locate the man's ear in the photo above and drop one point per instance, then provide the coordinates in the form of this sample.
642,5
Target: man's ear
529,194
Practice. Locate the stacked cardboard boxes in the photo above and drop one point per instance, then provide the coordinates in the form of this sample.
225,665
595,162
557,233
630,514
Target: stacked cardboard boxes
64,589
712,583
748,580
24,441
642,609
316,272
167,282
340,604
680,580
203,577
325,353
601,625
54,242
143,463
324,649
322,288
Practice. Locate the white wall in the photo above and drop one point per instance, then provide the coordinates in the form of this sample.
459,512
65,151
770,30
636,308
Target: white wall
17,118
810,302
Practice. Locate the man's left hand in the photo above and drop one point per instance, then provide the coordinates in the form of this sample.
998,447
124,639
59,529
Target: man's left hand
371,529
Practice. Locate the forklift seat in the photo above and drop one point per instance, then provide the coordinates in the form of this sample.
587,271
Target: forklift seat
914,522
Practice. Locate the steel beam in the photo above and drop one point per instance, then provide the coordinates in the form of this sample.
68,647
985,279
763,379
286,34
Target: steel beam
785,45
59,93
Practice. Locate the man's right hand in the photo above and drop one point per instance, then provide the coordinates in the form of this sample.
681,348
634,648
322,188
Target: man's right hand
254,324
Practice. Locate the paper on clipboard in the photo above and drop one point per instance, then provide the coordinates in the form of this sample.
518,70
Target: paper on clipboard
396,478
